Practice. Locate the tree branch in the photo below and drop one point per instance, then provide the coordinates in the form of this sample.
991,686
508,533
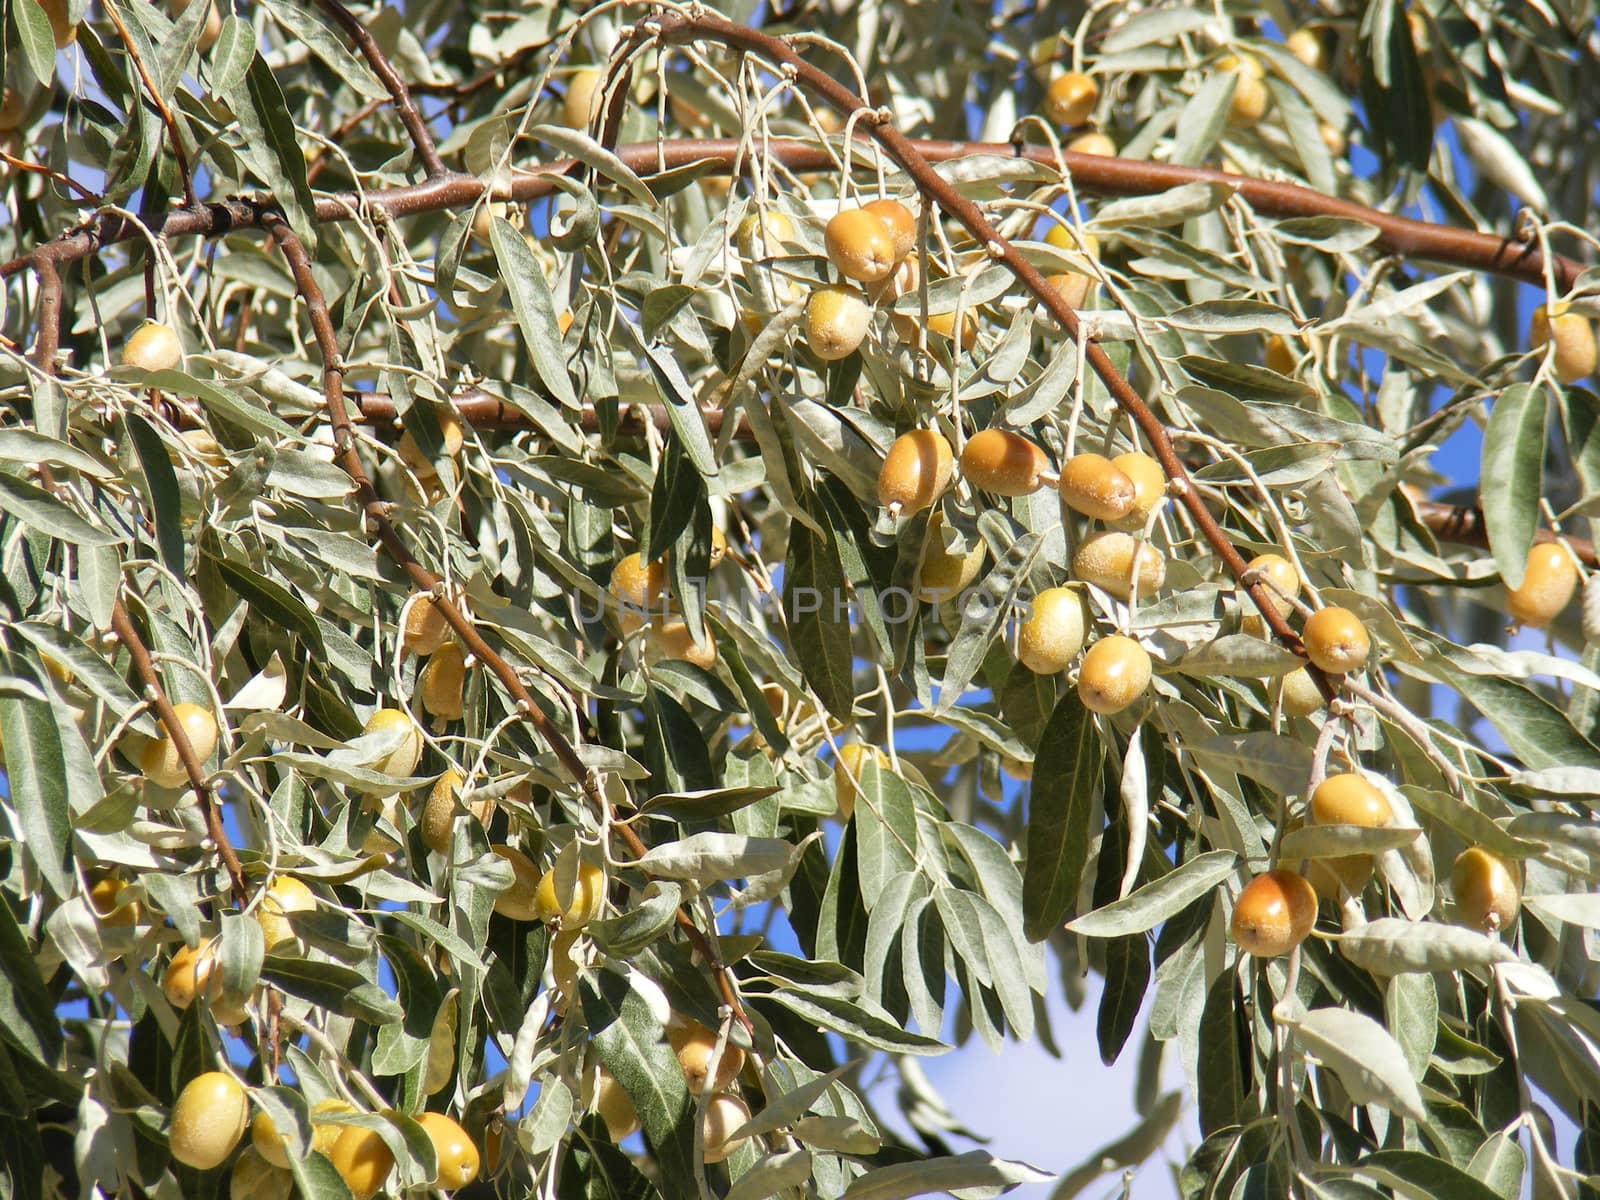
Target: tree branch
377,517
167,119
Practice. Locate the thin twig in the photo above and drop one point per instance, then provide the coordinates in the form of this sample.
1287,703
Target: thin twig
178,152
50,173
416,127
377,517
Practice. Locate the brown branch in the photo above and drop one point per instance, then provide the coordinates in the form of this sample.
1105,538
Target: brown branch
376,514
123,625
1093,174
416,127
679,26
1464,525
483,411
167,119
55,176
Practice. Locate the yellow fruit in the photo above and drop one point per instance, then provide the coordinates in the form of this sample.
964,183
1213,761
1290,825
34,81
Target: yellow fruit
719,547
426,629
945,574
1575,347
762,233
1003,462
458,1157
1084,245
1306,45
160,762
724,1114
1090,484
1350,800
915,472
837,320
578,105
901,224
270,1145
1336,640
564,966
211,30
208,1120
693,1043
1487,889
62,28
444,806
672,640
1549,581
1073,288
441,684
1250,95
254,1178
615,1106
286,895
1097,144
944,325
902,281
1281,356
1300,694
402,760
517,901
1115,673
637,586
205,447
325,1133
451,440
1052,636
362,1159
1272,569
1149,487
1333,138
1327,876
860,245
1274,913
1070,99
103,896
191,971
570,902
153,347
1108,561
852,757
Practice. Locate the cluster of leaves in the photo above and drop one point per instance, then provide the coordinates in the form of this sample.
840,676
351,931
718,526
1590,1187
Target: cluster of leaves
1403,1055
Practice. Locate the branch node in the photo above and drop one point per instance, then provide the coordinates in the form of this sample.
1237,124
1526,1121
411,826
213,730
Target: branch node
995,250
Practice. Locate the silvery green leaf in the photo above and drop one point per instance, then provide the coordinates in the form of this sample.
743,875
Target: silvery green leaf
1391,945
1160,898
1367,1059
711,857
974,1174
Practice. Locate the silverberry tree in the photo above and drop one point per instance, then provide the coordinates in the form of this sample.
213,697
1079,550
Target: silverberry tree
581,582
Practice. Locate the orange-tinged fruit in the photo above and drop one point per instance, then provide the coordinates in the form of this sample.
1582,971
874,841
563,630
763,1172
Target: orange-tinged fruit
570,899
1280,579
693,1043
363,1160
1575,352
517,901
1149,487
1072,287
208,1119
719,547
1549,581
442,683
901,224
637,585
1280,355
457,1156
1003,462
444,805
103,896
852,758
915,472
451,440
902,281
860,244
160,762
1348,799
153,347
254,1178
1306,45
189,972
325,1133
285,895
577,106
425,628
724,1114
1336,640
1299,692
1274,913
1351,872
945,572
615,1107
837,320
204,446
1090,484
944,325
1250,95
1070,99
672,640
1487,889
1053,633
402,760
1096,143
1115,673
762,233
62,27
1114,561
